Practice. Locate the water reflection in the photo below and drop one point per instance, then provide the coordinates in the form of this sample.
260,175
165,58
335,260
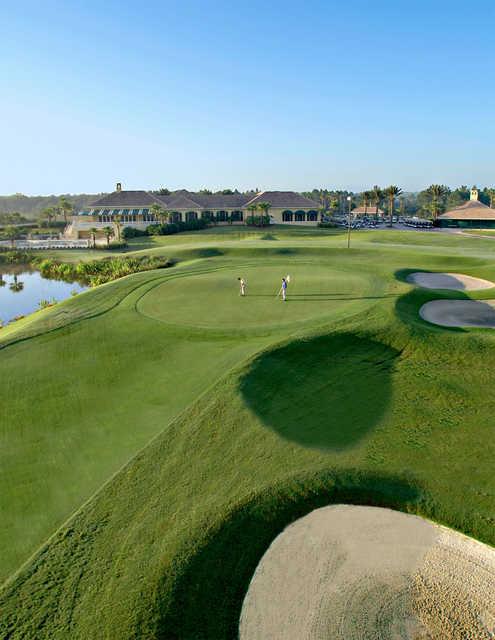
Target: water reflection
23,291
16,285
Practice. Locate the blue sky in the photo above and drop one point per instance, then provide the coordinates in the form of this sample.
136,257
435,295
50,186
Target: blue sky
283,95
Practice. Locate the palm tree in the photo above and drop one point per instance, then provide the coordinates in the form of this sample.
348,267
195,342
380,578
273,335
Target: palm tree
491,194
93,231
365,199
159,213
118,226
108,233
264,207
323,201
252,208
376,198
322,210
391,193
436,193
49,214
65,207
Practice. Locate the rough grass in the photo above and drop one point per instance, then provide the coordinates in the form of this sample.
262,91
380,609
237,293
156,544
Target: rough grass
386,410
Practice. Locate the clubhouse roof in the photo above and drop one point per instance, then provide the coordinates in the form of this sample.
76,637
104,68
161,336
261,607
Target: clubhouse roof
186,200
469,212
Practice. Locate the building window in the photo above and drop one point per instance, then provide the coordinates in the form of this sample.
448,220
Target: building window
222,216
176,216
287,216
300,216
207,215
191,215
312,216
236,216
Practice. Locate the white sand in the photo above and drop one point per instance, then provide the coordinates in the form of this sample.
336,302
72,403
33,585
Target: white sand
364,573
454,281
460,313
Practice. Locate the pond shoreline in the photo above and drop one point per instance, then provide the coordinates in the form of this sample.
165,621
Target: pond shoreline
66,278
24,290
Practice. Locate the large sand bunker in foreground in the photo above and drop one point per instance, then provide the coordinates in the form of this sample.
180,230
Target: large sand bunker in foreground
460,313
365,573
454,281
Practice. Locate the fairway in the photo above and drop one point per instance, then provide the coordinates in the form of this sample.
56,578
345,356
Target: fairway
169,430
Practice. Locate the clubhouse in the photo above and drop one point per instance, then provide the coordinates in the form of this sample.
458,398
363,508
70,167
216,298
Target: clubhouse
472,214
135,209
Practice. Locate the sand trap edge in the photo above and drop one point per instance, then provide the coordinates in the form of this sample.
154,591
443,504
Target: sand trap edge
439,280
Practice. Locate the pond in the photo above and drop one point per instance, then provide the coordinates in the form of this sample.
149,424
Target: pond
22,290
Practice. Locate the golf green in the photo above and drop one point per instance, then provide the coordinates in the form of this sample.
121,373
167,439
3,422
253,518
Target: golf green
212,299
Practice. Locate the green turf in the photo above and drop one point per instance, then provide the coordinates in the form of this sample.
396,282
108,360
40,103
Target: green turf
234,417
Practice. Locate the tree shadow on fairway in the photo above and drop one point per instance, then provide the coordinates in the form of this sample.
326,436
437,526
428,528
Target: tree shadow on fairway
203,597
325,393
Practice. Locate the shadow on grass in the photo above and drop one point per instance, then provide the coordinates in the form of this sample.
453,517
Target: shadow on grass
408,305
285,251
325,393
208,252
449,282
403,274
318,297
207,591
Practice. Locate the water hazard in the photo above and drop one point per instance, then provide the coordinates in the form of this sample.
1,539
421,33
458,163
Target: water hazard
22,291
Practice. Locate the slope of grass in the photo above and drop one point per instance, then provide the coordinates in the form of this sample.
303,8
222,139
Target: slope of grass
351,399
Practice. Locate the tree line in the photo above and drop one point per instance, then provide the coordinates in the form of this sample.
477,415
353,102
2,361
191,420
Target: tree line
428,203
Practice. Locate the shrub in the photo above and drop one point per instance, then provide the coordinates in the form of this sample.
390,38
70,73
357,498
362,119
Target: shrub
258,221
17,257
111,246
44,304
98,272
132,232
327,225
176,227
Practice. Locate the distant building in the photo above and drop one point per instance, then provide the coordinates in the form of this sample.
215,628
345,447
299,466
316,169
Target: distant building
370,210
134,209
471,214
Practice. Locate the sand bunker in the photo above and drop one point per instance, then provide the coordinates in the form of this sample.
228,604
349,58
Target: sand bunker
454,281
460,313
365,573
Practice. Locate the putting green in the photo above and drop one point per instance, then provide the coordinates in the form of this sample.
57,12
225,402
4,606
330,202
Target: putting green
212,299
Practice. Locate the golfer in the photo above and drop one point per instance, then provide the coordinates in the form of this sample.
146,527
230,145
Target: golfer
284,289
242,286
